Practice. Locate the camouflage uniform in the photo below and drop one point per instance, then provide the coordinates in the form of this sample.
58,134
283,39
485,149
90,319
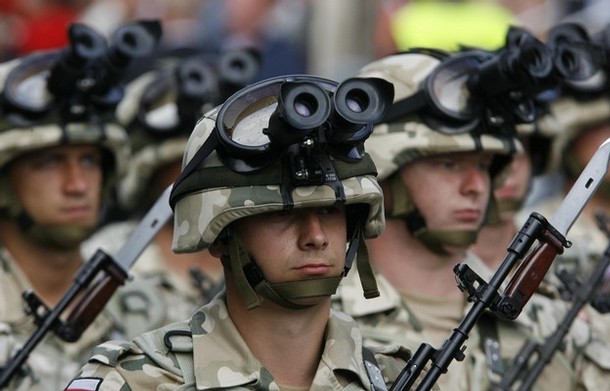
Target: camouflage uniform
208,352
389,319
54,362
154,297
572,117
67,118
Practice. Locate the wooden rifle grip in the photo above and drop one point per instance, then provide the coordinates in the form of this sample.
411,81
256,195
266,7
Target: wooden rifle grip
92,302
532,270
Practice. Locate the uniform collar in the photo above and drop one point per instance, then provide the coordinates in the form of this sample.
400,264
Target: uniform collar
223,360
352,301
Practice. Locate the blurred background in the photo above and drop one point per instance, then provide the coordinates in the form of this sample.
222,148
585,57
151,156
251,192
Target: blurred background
330,38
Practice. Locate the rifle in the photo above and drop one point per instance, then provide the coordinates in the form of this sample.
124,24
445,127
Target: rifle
582,293
102,275
508,305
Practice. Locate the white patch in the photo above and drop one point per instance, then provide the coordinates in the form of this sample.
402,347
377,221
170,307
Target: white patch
86,384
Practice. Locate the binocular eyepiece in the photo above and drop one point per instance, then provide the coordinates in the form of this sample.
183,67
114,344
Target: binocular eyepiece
85,45
84,76
345,117
236,69
303,114
525,64
302,107
129,42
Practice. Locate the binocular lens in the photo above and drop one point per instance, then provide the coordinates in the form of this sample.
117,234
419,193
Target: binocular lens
357,101
303,105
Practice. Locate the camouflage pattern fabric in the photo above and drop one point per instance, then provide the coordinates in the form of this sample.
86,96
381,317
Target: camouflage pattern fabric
218,358
389,319
201,215
154,297
53,362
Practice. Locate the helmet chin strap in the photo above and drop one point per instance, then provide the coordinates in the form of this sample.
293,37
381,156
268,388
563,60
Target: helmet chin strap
403,207
252,284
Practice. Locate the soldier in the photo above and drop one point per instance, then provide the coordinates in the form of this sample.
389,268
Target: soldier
159,110
583,121
437,173
58,162
275,183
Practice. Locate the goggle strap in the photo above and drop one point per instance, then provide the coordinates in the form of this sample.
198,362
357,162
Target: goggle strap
206,149
222,176
406,106
214,177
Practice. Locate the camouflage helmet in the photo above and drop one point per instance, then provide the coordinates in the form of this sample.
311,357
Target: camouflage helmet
568,117
394,144
217,187
19,135
161,107
419,131
201,215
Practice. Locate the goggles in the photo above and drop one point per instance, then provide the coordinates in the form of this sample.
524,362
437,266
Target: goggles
301,119
255,124
69,81
175,98
481,91
187,87
578,60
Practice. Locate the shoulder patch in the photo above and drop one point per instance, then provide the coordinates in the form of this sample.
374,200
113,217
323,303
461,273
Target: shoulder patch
84,384
110,352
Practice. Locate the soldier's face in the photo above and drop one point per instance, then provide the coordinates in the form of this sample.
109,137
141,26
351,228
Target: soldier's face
298,244
516,185
59,186
451,191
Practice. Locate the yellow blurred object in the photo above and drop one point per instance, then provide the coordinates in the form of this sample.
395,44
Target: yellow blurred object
450,25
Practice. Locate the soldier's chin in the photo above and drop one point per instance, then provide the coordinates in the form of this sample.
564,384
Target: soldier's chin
61,237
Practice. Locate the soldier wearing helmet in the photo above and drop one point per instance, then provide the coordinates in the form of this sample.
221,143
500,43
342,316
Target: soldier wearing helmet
59,159
159,110
276,184
438,167
583,122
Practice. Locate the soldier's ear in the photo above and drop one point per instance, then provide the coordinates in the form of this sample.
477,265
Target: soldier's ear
218,248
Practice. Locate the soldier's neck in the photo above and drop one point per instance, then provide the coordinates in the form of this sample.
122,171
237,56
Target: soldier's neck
410,266
49,270
492,242
288,342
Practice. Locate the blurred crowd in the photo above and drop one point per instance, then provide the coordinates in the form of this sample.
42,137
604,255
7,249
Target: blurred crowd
311,36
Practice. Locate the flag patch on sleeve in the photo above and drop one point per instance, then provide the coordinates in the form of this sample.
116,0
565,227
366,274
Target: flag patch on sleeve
85,384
